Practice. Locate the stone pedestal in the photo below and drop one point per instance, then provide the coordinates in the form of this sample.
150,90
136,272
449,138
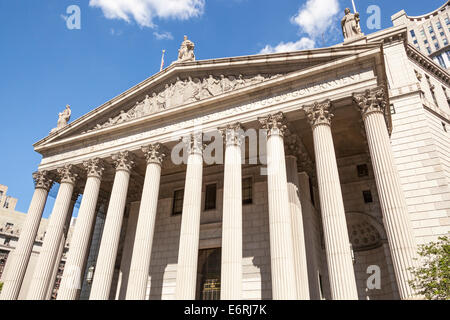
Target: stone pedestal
21,255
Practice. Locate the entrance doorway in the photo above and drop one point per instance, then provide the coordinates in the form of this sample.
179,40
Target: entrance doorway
208,276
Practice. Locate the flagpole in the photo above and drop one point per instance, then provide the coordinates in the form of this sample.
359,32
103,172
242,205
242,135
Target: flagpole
162,60
354,7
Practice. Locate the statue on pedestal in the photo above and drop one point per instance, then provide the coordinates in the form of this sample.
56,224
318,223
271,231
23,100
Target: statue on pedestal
64,118
186,52
350,25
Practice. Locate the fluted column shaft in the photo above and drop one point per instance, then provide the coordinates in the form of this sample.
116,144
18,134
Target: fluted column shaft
392,200
21,254
43,272
79,246
143,242
190,224
231,271
104,270
280,222
337,243
298,234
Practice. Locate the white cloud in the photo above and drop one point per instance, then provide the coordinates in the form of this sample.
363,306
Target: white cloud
144,11
302,44
163,36
315,17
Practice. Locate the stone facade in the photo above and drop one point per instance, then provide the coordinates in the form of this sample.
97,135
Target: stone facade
333,168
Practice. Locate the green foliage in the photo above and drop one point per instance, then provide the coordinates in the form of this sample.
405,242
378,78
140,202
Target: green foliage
432,279
1,286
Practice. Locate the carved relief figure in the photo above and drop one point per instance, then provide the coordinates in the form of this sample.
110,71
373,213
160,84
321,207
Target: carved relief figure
186,52
350,25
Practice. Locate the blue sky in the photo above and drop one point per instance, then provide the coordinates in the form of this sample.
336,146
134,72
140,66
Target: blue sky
44,65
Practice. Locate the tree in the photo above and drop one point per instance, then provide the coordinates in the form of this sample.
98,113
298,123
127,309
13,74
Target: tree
1,286
432,278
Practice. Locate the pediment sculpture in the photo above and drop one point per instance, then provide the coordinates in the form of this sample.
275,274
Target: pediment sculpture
184,92
350,25
63,120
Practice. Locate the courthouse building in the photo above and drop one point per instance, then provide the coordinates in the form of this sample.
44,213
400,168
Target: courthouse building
351,173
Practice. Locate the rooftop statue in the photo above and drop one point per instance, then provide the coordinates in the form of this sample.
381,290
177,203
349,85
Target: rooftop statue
64,118
186,52
350,25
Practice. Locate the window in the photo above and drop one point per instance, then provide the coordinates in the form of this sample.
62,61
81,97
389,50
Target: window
429,50
430,29
437,46
425,41
9,226
210,197
247,191
6,204
445,41
415,42
448,54
442,34
447,21
413,34
177,207
439,25
7,242
433,38
422,33
441,61
393,108
367,195
363,170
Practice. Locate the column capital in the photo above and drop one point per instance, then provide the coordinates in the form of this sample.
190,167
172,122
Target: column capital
232,134
68,174
42,180
319,113
94,167
123,161
155,153
275,124
194,143
371,101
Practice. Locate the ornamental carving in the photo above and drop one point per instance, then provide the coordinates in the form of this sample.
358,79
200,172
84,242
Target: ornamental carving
233,134
194,143
42,180
155,153
68,174
123,161
371,101
94,167
275,124
319,113
184,92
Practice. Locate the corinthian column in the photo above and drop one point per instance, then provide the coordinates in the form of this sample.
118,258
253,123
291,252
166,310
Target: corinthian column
107,255
280,222
298,235
79,246
47,257
337,243
231,271
142,250
21,255
190,222
393,204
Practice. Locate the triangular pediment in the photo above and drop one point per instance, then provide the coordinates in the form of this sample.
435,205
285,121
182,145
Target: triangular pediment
195,82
